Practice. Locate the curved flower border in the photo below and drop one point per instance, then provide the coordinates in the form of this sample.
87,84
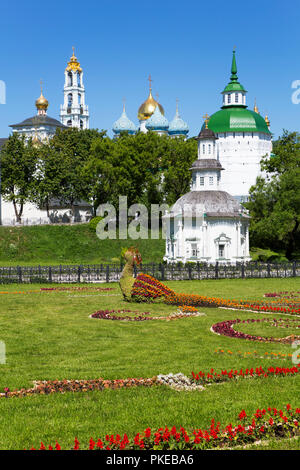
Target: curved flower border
225,328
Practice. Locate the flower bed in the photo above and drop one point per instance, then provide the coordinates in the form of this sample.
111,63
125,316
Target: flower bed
225,328
263,424
148,289
223,376
77,288
61,386
119,315
246,354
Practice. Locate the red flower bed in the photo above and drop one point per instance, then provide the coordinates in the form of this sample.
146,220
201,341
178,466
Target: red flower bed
263,424
146,289
225,328
223,376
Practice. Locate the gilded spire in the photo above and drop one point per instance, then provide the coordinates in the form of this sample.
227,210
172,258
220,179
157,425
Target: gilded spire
267,120
255,109
73,64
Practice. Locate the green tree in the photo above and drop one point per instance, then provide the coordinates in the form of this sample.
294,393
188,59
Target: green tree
18,170
71,149
274,202
177,163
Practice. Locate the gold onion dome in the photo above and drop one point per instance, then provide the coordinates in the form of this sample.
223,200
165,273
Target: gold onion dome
73,64
42,102
148,107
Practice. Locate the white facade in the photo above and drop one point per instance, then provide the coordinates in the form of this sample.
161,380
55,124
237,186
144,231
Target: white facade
207,224
74,112
240,153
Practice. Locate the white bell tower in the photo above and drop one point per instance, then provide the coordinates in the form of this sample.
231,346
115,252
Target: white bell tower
74,112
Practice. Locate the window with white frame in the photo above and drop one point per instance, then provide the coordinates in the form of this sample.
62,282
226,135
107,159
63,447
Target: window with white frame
203,148
194,250
209,148
228,99
201,180
236,97
211,180
221,251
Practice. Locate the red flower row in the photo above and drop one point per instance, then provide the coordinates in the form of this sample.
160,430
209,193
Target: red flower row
224,375
264,423
225,328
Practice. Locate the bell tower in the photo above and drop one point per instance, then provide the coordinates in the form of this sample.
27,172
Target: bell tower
74,112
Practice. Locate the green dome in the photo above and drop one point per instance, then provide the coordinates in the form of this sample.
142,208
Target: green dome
236,119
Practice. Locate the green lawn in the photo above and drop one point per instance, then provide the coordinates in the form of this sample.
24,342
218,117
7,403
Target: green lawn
67,244
50,336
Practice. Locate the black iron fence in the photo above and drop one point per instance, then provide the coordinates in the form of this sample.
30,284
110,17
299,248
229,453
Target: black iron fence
164,272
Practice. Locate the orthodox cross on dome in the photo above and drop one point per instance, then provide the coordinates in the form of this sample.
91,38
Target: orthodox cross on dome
150,81
124,104
206,118
41,85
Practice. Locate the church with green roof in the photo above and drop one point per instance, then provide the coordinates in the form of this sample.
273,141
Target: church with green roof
243,135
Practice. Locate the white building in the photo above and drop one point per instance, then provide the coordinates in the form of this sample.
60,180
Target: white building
243,138
74,112
40,127
207,224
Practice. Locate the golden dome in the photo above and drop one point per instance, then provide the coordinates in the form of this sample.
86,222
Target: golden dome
148,107
42,102
73,64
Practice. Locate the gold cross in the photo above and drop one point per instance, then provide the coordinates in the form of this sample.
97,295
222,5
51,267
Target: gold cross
150,81
41,83
73,50
206,119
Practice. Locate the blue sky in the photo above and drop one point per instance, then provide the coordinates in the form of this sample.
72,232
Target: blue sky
186,46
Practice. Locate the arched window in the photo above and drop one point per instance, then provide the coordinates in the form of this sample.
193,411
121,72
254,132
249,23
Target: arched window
70,79
69,123
70,100
203,148
78,79
81,124
209,148
79,99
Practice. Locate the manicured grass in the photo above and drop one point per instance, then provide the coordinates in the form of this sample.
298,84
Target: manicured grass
50,336
67,244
